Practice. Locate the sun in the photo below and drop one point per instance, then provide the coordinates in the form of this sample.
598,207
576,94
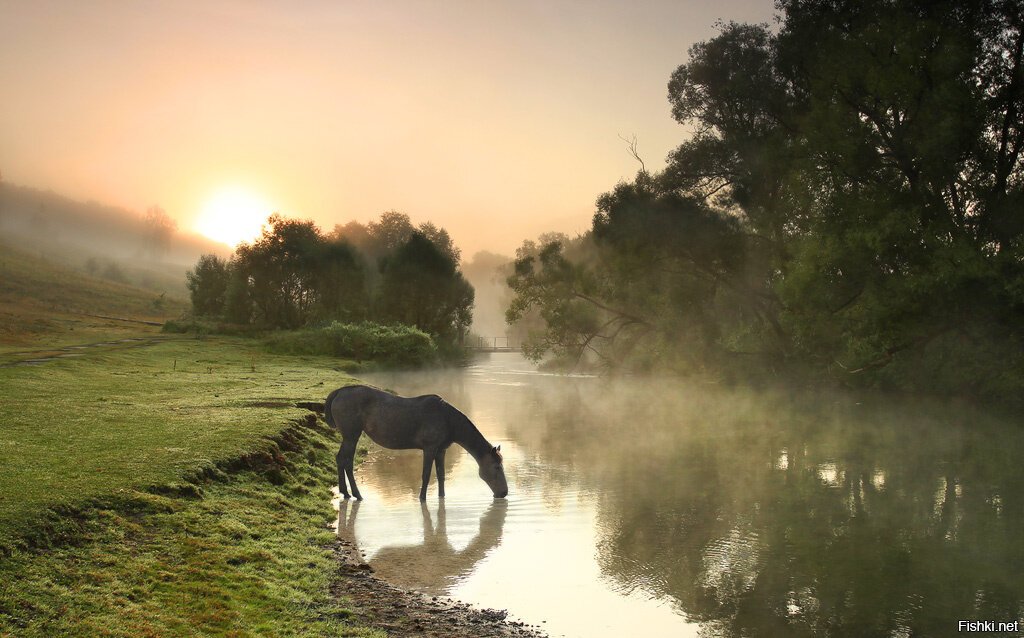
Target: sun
233,215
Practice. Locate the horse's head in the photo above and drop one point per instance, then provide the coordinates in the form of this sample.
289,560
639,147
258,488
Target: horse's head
493,472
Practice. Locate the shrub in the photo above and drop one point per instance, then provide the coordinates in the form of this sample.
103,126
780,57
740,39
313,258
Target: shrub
203,327
394,345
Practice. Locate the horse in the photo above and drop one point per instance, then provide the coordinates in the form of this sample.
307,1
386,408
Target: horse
425,423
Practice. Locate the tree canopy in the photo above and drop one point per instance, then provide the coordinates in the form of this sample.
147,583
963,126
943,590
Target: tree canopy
850,203
294,276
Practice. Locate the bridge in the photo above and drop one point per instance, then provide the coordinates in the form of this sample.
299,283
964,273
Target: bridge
491,344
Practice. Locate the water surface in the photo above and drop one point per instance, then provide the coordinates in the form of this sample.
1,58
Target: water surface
678,509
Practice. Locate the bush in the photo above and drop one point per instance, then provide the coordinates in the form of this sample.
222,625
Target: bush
203,327
394,345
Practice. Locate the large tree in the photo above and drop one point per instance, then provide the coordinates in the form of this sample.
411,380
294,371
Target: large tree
294,274
423,287
850,201
207,284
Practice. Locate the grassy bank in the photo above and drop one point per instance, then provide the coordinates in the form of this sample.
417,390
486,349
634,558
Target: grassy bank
45,304
167,490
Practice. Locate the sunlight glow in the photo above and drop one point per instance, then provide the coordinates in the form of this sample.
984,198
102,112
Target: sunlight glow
233,215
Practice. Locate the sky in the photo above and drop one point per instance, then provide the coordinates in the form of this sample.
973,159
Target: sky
495,120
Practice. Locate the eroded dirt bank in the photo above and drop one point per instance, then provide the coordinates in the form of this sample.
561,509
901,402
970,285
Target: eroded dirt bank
402,613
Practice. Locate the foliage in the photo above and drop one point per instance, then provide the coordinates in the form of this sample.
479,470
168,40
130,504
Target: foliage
293,276
207,284
203,327
282,270
422,287
160,229
379,239
394,345
849,203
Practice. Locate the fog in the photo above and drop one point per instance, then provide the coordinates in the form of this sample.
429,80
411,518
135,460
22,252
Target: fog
704,509
145,249
487,271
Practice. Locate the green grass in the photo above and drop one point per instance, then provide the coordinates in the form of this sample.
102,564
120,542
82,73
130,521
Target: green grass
250,558
45,304
164,491
78,429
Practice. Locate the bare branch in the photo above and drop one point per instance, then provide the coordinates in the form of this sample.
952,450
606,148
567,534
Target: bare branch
631,145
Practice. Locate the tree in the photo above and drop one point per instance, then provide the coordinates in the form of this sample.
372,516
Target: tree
660,276
160,229
422,287
389,233
379,239
911,136
281,269
339,281
238,306
850,203
207,283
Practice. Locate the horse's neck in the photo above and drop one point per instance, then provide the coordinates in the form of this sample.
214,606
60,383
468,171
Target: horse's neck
465,434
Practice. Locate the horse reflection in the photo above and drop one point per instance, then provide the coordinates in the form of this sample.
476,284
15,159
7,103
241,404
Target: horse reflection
433,566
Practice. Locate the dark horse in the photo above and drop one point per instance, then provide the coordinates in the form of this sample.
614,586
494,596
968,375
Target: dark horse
425,423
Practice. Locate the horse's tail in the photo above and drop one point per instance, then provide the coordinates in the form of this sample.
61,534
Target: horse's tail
327,408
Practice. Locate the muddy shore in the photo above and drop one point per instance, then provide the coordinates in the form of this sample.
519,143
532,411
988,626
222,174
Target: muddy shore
400,612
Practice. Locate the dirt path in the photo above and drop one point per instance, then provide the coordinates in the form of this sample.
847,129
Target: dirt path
35,357
402,613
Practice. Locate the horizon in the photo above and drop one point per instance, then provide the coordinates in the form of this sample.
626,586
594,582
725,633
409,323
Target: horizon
493,122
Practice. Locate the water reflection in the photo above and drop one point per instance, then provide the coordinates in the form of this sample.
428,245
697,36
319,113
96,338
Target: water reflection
743,513
432,565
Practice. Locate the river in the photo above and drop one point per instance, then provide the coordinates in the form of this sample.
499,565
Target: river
667,508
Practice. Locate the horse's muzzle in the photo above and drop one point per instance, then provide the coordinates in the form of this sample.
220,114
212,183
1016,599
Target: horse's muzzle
501,495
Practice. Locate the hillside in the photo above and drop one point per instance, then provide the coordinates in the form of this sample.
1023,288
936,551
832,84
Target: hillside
45,304
45,219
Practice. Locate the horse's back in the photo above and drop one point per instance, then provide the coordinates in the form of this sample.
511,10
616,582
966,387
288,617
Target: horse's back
350,401
390,421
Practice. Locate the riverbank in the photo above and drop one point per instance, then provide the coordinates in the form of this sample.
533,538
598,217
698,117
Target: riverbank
179,489
404,613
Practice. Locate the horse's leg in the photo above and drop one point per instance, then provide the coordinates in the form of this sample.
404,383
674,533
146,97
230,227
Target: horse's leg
349,469
346,459
428,459
340,458
439,466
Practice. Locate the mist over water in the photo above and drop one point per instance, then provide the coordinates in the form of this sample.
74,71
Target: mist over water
672,507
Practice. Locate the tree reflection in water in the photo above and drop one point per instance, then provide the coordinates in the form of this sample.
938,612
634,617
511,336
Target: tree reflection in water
841,523
765,513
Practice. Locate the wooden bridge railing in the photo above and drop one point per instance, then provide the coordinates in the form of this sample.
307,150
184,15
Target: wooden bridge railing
491,344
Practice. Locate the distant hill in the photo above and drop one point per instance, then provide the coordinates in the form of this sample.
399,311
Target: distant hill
46,303
98,240
52,219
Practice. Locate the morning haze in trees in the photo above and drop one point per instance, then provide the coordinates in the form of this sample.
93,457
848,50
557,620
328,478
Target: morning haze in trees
294,276
850,203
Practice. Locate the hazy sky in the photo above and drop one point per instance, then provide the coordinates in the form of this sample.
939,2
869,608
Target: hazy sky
496,120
